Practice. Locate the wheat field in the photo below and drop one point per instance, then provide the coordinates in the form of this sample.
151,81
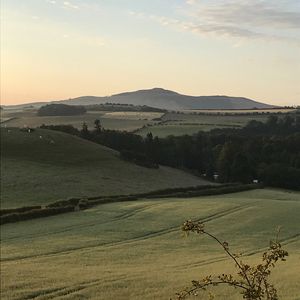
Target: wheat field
135,250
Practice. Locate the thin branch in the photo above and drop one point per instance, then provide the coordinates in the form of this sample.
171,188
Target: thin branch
227,251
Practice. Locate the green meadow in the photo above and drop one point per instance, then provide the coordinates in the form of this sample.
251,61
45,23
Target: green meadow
135,250
114,121
162,125
45,166
190,123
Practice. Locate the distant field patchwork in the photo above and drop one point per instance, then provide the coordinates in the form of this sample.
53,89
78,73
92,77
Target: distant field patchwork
187,123
243,111
132,115
160,124
115,121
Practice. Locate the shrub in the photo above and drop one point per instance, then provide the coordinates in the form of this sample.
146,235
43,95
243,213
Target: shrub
63,128
6,211
35,213
251,281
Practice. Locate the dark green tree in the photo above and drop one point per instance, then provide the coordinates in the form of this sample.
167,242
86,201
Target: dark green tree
98,126
84,130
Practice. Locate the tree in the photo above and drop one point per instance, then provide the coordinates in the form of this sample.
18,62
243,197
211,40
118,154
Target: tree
98,126
225,161
61,110
84,131
272,121
241,169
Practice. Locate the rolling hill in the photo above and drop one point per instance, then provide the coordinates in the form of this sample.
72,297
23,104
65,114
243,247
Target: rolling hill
45,166
166,99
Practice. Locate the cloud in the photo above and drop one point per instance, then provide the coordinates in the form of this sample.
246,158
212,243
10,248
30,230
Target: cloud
244,13
68,4
64,4
191,2
236,19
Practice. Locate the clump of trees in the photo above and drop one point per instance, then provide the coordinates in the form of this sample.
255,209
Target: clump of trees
252,282
61,110
268,152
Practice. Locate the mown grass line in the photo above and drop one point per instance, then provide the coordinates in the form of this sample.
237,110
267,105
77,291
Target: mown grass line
87,224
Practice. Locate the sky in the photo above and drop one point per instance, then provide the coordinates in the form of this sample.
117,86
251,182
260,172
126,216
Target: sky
55,49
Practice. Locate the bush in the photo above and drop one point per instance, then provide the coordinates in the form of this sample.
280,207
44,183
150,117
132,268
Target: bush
6,211
35,213
63,128
252,282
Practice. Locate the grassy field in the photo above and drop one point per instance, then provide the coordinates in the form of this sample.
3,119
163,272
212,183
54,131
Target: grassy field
243,111
187,123
116,121
133,115
45,166
139,122
212,119
135,250
165,130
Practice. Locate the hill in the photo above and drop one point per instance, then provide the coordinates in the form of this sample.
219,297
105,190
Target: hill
170,100
44,166
166,99
135,250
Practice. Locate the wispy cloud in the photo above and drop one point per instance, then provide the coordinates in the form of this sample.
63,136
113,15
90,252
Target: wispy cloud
237,19
256,13
70,5
64,4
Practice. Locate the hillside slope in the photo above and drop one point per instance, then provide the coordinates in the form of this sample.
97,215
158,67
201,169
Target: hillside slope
166,99
45,166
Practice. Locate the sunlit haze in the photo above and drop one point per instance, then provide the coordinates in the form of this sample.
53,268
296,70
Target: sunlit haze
53,50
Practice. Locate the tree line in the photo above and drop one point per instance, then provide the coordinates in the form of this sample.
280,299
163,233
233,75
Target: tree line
61,110
268,152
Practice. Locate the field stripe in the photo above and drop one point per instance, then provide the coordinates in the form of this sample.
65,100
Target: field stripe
85,225
47,294
286,241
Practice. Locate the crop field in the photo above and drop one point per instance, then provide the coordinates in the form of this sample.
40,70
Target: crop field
133,115
189,123
160,124
45,166
164,130
128,123
135,250
243,111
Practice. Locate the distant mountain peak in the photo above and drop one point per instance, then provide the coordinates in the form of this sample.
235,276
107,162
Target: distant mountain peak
166,99
161,91
153,91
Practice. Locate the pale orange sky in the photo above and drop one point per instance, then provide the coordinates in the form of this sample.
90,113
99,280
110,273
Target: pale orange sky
53,50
